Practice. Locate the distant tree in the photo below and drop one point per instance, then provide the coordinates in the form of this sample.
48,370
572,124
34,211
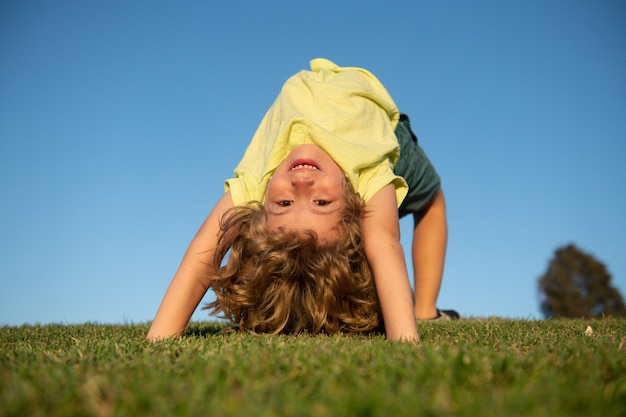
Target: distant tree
577,285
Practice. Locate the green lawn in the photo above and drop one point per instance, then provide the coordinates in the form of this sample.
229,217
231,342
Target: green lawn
472,367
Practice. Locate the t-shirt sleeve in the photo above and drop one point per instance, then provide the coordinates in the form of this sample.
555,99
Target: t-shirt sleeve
373,179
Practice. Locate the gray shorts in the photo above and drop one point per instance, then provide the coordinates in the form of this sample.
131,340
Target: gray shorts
415,167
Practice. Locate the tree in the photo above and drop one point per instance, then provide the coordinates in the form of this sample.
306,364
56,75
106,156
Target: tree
577,285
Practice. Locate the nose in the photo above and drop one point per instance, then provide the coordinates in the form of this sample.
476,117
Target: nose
302,181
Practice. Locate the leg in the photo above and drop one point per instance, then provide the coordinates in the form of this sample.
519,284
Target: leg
430,238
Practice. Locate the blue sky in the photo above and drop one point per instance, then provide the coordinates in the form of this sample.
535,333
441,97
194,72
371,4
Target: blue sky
120,120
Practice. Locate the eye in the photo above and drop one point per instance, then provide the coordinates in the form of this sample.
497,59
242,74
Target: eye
322,202
284,203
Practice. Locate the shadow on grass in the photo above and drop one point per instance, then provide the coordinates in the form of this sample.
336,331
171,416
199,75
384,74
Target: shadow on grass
204,329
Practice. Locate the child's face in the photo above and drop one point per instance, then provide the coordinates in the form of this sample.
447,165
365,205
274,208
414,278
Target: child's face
306,192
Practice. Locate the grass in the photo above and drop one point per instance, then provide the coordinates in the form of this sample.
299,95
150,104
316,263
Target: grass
473,367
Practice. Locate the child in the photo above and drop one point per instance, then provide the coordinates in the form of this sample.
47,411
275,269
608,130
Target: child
310,220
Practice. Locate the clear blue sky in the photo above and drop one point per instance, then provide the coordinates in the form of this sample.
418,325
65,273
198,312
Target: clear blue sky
119,121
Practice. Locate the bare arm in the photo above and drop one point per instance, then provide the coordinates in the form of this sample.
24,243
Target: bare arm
191,281
381,233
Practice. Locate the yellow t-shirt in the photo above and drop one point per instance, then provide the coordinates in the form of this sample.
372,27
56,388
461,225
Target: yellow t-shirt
345,111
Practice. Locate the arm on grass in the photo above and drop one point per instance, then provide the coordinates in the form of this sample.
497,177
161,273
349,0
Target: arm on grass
192,279
381,235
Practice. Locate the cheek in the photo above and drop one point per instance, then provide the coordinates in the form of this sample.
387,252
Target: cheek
272,187
339,186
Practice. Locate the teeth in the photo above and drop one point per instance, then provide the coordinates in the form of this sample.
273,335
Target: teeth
304,166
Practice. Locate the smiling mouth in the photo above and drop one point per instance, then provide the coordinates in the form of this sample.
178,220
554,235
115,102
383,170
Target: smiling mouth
298,165
304,166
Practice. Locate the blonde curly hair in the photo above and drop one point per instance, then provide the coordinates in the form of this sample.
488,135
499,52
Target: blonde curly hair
289,281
